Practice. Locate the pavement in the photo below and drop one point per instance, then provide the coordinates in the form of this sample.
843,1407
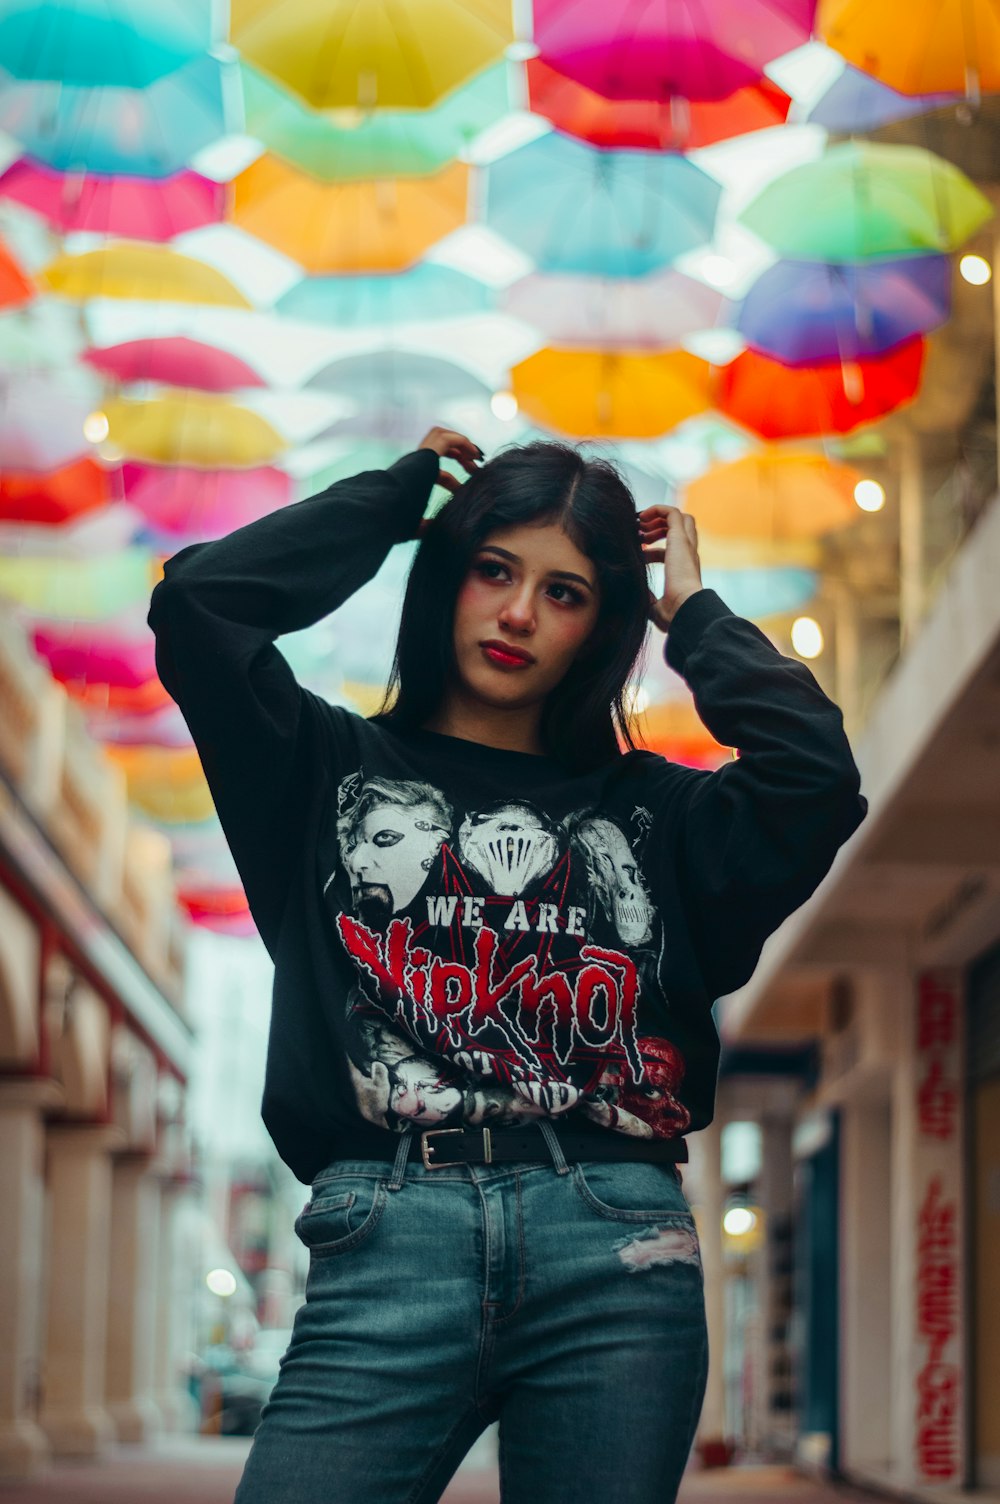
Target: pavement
205,1470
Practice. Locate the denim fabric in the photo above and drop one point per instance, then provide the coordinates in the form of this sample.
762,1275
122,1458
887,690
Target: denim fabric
566,1300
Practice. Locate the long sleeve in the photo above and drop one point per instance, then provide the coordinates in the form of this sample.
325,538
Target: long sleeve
756,837
216,614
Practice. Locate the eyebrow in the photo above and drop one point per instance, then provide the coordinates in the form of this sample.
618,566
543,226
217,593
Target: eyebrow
558,574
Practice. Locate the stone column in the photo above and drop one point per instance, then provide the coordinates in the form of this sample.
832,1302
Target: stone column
79,1172
23,1446
706,1172
135,1213
174,1335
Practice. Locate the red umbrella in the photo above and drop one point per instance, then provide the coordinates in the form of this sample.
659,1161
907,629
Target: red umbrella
55,496
15,287
784,402
175,361
675,124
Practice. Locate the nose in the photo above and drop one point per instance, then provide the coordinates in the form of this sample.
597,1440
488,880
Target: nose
518,613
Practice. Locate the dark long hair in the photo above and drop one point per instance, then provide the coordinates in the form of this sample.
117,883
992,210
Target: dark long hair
543,481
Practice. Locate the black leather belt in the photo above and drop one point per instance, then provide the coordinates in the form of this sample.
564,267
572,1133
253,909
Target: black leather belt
437,1147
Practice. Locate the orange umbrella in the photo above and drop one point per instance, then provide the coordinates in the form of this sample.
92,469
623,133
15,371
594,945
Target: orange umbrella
381,225
675,730
783,402
673,125
941,48
775,494
53,497
167,782
591,393
15,286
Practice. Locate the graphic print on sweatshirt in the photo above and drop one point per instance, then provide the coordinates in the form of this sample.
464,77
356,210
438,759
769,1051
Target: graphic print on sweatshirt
501,958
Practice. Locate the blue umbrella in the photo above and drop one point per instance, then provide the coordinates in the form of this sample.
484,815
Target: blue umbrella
575,208
804,312
401,381
149,132
754,593
424,291
130,43
857,102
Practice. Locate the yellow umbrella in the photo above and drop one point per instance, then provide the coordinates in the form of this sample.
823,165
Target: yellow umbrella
191,428
775,495
381,225
944,46
759,553
166,782
598,393
350,54
126,269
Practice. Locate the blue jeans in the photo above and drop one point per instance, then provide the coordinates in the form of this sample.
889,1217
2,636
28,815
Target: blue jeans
565,1300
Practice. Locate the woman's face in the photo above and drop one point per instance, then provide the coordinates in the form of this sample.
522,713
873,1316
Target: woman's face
530,588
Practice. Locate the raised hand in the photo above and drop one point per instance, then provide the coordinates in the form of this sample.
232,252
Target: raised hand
679,556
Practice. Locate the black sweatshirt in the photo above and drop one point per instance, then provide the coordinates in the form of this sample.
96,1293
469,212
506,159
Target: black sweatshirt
463,934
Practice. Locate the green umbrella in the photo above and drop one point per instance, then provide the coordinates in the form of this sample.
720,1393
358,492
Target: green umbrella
343,145
860,199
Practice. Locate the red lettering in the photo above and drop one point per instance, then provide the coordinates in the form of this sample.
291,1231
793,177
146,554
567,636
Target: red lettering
937,1103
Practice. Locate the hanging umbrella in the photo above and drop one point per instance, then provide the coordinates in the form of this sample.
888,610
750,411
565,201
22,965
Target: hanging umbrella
346,145
349,54
15,285
135,208
130,269
176,361
674,124
661,308
674,730
164,726
609,213
942,44
343,227
165,782
91,535
223,910
85,655
78,589
424,291
857,102
148,132
774,495
783,402
117,42
754,593
195,505
861,199
803,312
55,497
399,380
655,51
591,393
191,428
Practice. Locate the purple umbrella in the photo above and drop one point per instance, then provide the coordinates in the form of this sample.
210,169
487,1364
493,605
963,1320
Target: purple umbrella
857,102
803,312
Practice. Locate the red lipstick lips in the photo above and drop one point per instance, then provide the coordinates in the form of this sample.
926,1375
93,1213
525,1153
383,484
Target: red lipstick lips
504,656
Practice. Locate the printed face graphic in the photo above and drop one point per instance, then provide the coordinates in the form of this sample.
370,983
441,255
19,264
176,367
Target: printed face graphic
391,851
510,847
619,883
419,1093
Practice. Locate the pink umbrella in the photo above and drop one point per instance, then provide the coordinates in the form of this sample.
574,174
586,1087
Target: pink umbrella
174,361
92,653
203,504
134,208
675,48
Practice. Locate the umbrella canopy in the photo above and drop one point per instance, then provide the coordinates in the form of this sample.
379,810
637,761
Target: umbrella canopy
945,41
774,495
193,505
857,102
191,428
685,48
118,42
135,208
130,269
55,497
78,589
165,782
357,54
41,422
174,361
398,379
345,145
782,402
674,124
675,731
585,393
754,593
659,309
97,655
15,286
608,213
347,227
802,312
860,199
424,291
148,132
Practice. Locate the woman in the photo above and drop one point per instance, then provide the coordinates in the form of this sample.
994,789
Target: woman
498,929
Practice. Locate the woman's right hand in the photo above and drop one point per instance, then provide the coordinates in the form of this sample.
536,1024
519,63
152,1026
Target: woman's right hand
453,446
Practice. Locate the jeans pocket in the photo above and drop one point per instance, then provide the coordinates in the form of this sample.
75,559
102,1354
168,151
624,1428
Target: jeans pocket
632,1191
340,1214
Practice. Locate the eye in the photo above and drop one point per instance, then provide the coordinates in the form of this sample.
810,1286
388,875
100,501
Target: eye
387,837
569,597
490,569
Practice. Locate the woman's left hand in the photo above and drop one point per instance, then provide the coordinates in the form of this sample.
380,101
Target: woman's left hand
679,556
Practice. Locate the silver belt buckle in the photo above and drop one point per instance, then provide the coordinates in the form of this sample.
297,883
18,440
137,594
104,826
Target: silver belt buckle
441,1164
